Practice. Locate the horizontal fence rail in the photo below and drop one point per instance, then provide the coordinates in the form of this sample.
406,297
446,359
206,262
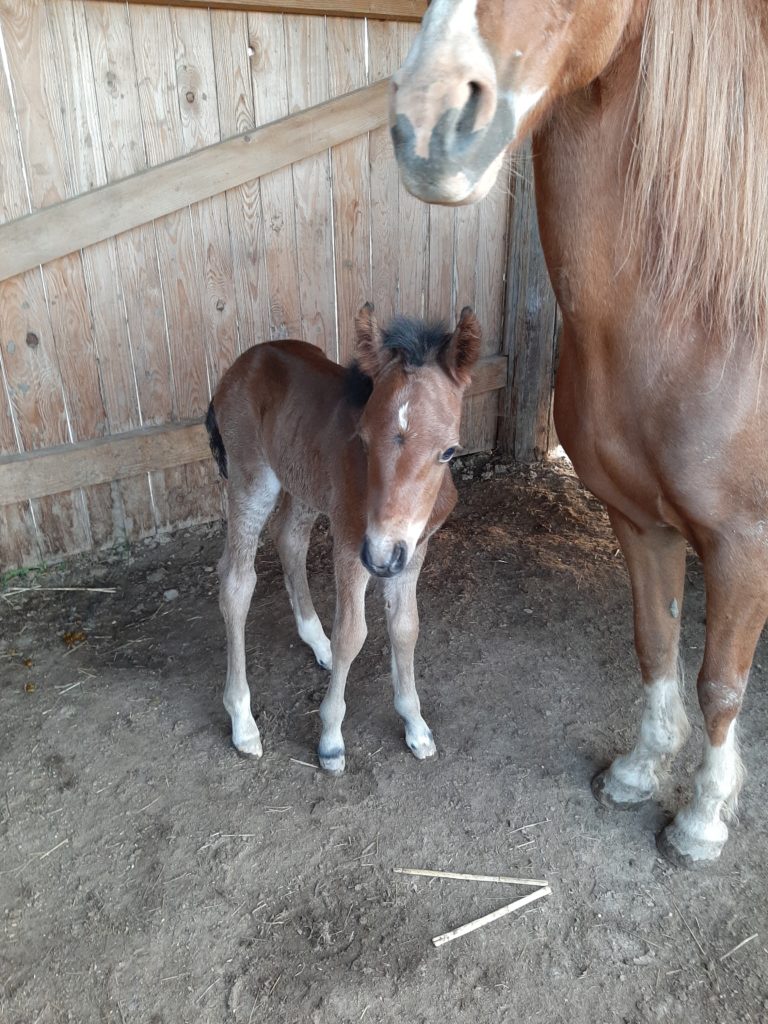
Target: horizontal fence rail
100,461
101,213
391,10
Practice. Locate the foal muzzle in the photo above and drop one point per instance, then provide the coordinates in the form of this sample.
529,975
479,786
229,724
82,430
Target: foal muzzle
385,566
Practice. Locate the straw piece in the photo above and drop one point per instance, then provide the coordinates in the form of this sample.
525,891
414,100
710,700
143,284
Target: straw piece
426,872
471,926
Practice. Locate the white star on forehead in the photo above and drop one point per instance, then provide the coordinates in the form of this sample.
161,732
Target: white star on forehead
402,416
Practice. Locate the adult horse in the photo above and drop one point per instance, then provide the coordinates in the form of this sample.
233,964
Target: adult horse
650,141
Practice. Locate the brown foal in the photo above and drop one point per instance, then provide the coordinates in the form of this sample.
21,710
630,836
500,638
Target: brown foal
650,148
368,446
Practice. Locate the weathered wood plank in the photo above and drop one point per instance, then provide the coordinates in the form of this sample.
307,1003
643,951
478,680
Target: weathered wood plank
35,474
351,186
86,219
392,10
483,412
413,248
530,326
307,80
270,95
384,60
232,54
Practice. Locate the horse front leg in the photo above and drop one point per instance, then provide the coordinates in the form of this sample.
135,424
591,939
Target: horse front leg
737,606
656,562
403,625
347,638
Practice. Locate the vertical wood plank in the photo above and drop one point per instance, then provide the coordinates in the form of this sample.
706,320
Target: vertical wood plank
234,90
413,250
192,492
268,69
383,60
19,542
529,331
482,411
351,185
42,362
84,168
124,153
307,43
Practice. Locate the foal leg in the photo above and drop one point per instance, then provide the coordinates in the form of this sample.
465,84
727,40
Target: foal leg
737,605
249,507
347,638
656,562
291,527
403,624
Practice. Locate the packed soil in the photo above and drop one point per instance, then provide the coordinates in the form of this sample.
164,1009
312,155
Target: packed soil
149,874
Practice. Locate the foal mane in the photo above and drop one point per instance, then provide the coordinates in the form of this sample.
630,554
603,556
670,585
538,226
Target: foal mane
697,202
415,342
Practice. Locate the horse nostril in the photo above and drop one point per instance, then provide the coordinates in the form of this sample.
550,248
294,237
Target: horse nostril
365,555
397,562
478,110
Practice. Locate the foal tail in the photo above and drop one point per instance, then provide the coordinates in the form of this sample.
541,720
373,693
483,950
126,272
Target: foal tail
216,441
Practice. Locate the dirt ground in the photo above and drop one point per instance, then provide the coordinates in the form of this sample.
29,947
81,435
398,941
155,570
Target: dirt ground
148,874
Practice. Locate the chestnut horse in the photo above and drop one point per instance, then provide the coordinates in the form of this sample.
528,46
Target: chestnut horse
369,447
650,145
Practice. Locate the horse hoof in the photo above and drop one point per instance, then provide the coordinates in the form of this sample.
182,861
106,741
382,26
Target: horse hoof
423,747
699,852
333,763
621,799
250,750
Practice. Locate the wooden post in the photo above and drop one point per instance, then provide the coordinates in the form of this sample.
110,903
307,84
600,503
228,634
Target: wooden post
530,329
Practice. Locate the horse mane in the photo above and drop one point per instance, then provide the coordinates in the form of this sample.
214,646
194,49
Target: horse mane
697,202
415,342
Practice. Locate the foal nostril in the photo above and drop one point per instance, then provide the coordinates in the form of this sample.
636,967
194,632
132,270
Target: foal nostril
365,556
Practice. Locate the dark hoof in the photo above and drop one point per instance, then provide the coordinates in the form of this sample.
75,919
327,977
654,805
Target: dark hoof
605,799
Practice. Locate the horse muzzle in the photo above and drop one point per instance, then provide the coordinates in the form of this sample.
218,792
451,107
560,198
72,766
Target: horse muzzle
450,155
384,562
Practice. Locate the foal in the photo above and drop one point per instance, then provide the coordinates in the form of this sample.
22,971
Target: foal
369,447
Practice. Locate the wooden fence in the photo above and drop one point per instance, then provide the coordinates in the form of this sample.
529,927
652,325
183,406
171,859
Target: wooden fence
179,183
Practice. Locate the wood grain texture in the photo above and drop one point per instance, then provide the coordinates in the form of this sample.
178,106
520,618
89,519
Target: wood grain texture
413,245
41,358
383,60
150,449
395,10
351,186
234,88
163,77
270,96
529,333
97,215
307,79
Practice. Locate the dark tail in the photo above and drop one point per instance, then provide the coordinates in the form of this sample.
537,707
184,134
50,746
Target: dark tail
215,440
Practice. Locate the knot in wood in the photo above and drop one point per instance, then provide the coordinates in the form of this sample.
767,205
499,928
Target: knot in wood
32,339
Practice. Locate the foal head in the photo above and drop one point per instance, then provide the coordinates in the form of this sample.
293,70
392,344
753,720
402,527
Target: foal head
409,426
481,74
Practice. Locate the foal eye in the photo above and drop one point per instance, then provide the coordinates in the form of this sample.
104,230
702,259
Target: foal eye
447,455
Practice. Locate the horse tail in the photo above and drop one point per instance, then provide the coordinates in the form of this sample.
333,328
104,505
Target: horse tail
216,441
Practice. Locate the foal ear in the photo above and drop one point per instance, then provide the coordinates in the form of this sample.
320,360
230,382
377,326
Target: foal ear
368,352
462,351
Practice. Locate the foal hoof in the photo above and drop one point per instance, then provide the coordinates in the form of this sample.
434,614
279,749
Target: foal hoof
619,797
333,762
422,746
682,851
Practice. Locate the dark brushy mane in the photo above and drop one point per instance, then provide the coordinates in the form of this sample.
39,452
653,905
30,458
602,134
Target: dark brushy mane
698,195
415,342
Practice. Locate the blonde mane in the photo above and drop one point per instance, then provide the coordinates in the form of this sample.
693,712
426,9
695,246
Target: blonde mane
698,196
